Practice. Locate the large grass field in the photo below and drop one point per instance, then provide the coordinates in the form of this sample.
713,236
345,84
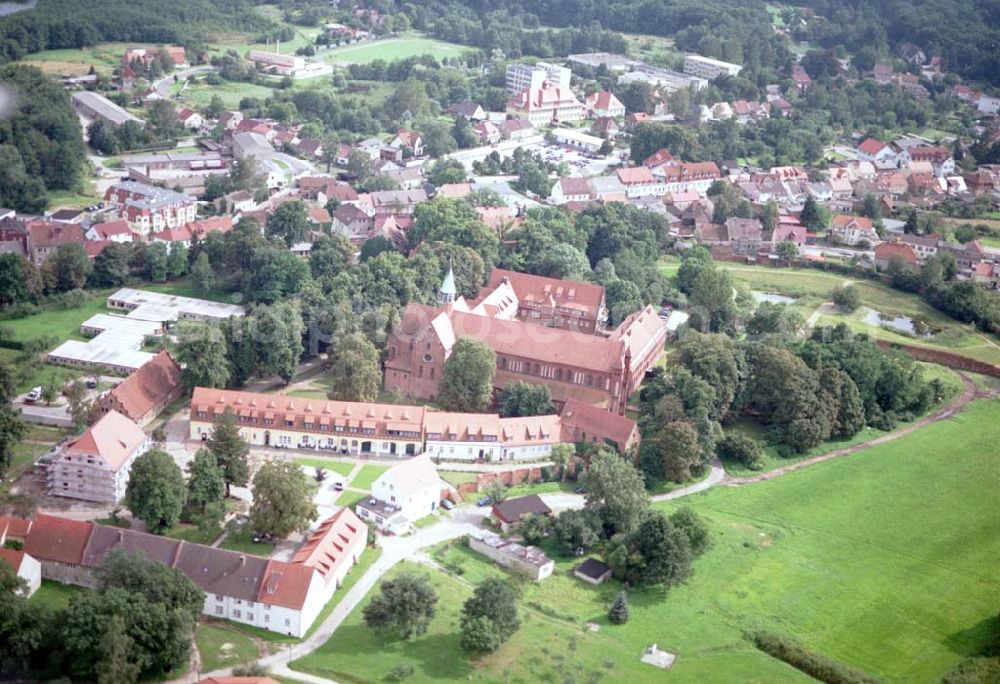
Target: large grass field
391,49
57,321
883,560
812,287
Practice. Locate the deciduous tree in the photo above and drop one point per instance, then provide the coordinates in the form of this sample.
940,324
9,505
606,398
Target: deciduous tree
282,502
494,600
615,491
403,607
467,378
156,493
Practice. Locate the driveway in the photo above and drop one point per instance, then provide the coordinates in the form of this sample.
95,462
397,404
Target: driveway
162,86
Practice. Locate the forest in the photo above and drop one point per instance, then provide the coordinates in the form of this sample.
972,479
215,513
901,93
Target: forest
79,23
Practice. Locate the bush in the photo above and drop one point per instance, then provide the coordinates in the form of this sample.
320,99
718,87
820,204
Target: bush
742,449
813,664
399,673
847,297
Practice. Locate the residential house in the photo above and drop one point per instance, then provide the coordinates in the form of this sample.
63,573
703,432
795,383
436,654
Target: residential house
510,512
635,119
470,110
95,466
605,127
45,238
887,251
190,118
924,245
789,231
852,230
529,561
912,53
939,156
516,128
143,395
212,224
582,423
545,105
111,231
180,235
410,490
604,103
488,132
744,235
880,154
801,78
408,140
454,190
570,190
352,222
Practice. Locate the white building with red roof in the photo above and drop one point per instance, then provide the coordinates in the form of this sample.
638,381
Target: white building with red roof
604,103
570,190
880,154
403,495
545,105
110,231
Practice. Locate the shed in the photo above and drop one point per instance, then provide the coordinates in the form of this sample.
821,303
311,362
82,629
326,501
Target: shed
510,512
593,571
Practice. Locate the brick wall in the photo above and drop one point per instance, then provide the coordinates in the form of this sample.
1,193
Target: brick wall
944,358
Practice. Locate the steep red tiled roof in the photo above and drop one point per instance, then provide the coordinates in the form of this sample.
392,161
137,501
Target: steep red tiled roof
327,547
286,584
888,250
658,158
13,557
574,186
212,224
149,386
577,415
113,438
604,100
635,175
586,297
871,146
57,539
107,229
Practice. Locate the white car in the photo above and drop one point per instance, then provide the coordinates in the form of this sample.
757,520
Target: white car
34,395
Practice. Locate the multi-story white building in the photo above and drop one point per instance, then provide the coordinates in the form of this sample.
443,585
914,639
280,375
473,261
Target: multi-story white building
95,466
709,68
521,77
149,209
402,495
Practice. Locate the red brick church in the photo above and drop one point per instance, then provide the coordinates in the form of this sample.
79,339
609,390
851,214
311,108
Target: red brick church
543,330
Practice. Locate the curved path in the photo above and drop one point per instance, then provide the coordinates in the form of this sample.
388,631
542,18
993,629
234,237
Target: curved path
466,519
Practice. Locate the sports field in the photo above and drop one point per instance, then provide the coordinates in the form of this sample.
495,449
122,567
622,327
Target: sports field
883,560
391,49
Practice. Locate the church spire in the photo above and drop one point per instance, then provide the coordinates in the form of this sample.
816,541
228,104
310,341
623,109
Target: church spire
448,290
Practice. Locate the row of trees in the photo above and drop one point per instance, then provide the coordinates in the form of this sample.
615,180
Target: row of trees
158,495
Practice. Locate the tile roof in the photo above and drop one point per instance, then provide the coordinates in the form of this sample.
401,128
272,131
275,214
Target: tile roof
888,250
149,386
872,146
574,186
13,557
545,291
107,229
597,421
327,547
218,571
285,584
512,510
106,539
635,175
114,438
604,100
212,224
57,539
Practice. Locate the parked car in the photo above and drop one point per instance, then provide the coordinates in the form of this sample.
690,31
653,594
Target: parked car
34,395
447,504
338,486
91,383
485,501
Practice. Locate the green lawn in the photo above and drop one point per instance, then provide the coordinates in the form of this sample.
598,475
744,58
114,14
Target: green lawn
368,559
366,476
191,533
54,595
339,467
44,433
391,49
223,647
185,287
539,488
57,321
883,560
349,498
244,543
24,457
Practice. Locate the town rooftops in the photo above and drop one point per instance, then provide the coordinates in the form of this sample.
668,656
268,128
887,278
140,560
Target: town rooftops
571,187
61,540
888,250
108,229
512,510
104,539
113,439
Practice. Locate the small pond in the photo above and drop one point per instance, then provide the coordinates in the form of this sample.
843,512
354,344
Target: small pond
903,324
772,297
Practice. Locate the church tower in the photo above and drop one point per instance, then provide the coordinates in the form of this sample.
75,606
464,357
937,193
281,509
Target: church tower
448,291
